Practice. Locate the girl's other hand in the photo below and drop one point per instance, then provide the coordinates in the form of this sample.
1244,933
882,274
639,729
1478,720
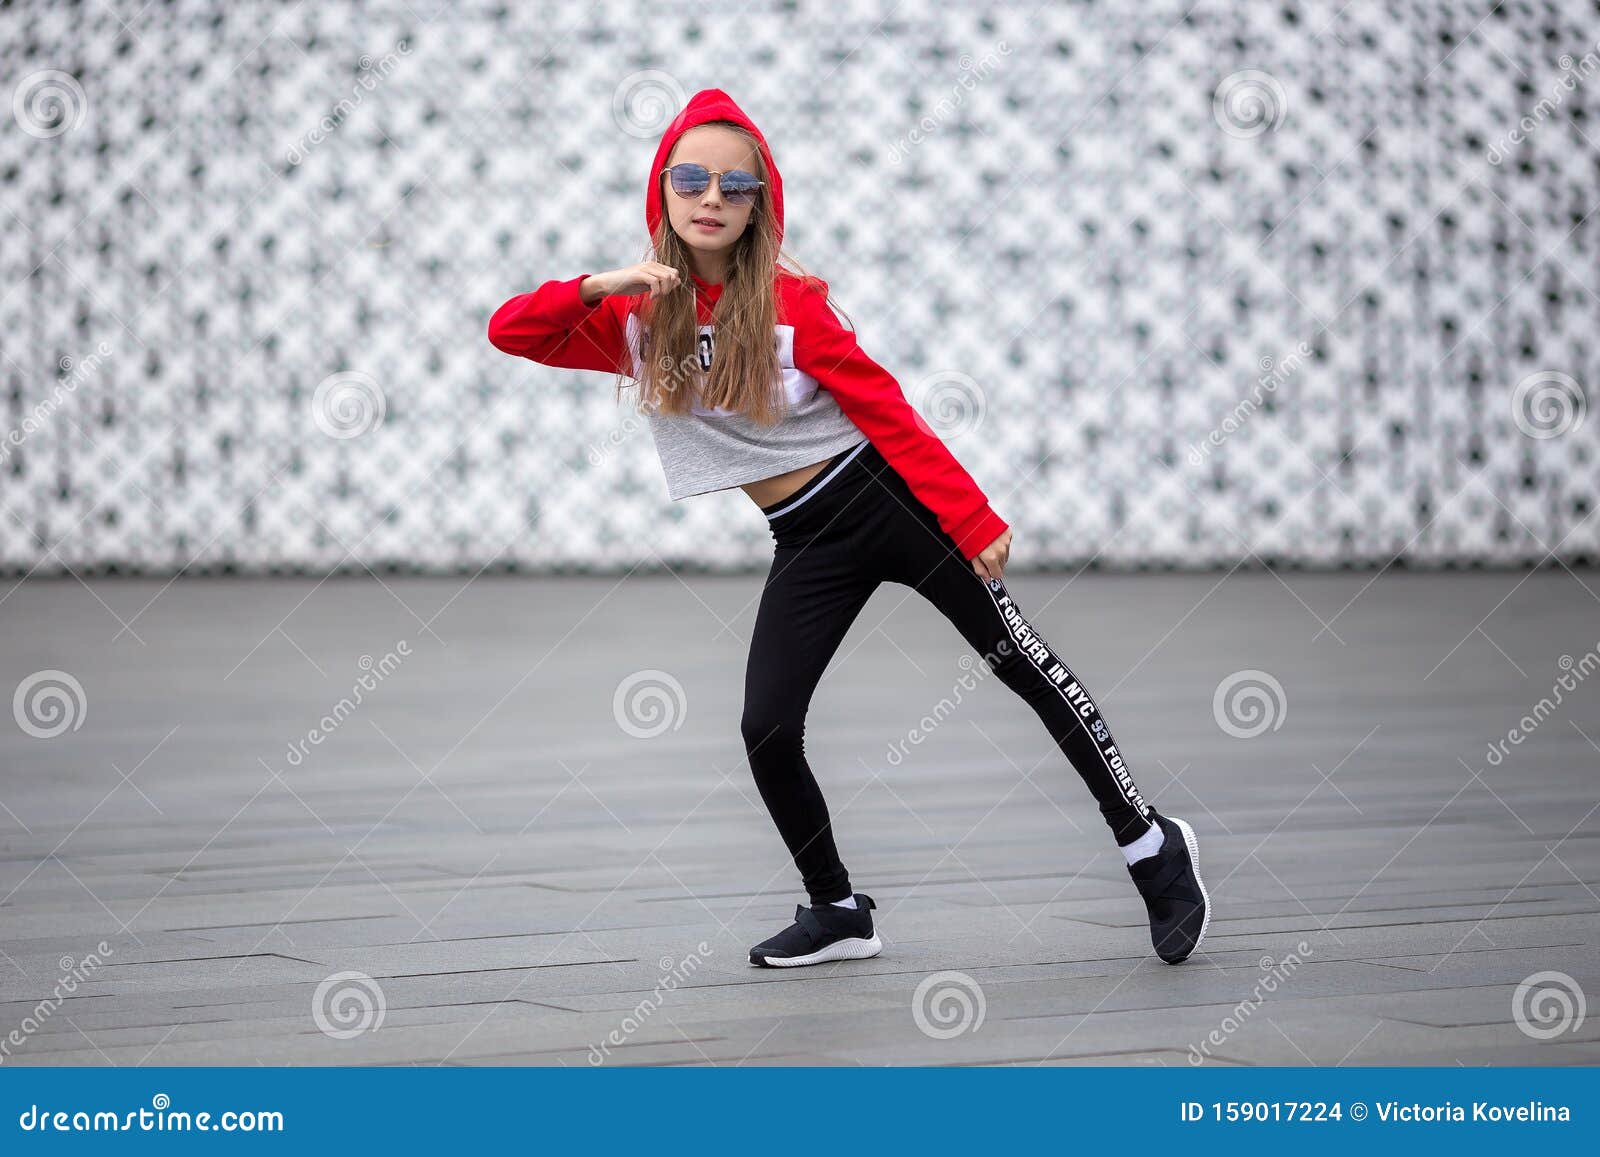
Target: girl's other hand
650,277
991,560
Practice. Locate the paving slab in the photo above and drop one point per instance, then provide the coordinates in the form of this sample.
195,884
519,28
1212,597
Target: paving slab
492,854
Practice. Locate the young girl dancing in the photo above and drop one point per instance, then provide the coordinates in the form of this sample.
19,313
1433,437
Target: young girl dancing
748,379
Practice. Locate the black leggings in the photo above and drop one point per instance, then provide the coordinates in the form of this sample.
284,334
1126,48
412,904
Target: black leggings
853,525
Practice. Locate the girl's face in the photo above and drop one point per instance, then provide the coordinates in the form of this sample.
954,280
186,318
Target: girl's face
720,150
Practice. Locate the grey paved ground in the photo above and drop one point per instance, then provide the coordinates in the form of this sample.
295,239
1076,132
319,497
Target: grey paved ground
521,877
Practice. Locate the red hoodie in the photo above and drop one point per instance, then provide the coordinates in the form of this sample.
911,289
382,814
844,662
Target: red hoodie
553,326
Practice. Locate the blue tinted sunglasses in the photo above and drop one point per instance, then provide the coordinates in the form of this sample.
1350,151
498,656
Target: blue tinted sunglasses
691,180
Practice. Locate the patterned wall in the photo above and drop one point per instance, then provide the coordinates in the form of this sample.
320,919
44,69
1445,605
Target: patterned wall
1308,283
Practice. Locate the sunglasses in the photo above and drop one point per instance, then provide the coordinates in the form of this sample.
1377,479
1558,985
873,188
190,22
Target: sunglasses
690,180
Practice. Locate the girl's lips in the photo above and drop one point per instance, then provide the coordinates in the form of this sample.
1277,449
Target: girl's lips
708,225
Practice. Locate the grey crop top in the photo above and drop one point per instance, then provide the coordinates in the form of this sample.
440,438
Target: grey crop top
714,448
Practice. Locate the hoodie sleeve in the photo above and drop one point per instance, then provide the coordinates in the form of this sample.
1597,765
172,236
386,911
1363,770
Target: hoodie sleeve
554,327
872,399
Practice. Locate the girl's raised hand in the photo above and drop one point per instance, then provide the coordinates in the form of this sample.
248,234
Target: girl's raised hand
650,277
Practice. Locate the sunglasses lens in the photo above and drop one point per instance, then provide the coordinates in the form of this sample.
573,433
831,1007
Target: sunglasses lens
739,187
689,180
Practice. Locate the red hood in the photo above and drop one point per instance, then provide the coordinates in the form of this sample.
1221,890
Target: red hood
710,104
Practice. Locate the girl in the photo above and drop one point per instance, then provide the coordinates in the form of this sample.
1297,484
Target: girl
747,379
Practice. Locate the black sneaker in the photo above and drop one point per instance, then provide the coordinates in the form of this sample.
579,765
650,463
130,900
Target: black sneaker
1170,883
826,932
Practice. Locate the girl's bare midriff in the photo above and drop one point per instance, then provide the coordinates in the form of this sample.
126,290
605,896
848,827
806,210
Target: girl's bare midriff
775,489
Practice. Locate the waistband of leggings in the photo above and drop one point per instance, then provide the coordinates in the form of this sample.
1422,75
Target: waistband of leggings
816,482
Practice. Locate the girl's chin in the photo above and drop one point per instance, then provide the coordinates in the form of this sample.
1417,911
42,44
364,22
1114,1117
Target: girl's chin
698,239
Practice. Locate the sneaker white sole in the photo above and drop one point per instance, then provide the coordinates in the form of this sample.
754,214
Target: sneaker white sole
854,948
1194,862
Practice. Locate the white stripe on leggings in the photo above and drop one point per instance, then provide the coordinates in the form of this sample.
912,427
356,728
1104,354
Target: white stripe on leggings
860,446
999,610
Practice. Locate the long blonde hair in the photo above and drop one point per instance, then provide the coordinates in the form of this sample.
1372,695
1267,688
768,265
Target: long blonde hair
744,369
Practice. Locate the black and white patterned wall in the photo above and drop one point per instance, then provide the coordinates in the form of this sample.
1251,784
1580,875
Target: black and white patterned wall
1308,283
